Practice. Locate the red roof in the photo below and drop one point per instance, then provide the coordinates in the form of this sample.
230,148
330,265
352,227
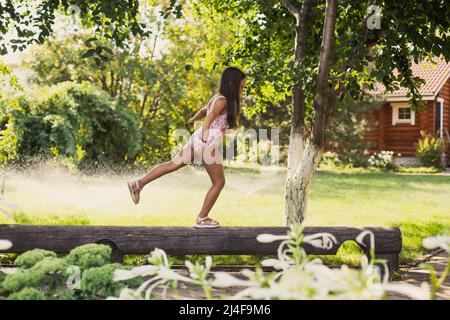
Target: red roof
435,73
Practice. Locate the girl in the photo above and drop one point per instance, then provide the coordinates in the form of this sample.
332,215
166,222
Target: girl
222,112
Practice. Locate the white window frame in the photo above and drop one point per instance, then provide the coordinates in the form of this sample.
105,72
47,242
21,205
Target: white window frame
395,119
441,131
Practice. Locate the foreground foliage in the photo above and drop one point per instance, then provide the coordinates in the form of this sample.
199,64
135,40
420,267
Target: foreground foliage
297,277
86,274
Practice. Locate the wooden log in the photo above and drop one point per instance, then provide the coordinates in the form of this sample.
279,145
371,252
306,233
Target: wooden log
183,240
392,261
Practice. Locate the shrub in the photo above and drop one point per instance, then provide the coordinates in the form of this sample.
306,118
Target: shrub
330,160
49,273
27,294
30,258
383,160
98,282
79,122
430,150
89,256
42,275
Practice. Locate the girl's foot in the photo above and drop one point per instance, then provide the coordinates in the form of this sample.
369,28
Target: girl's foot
206,222
135,189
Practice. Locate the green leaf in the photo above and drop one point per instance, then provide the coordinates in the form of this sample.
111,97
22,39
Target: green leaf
109,50
88,53
88,41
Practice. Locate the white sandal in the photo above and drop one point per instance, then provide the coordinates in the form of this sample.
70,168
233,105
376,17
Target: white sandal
200,224
134,187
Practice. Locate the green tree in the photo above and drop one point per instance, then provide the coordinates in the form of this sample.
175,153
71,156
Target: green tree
317,52
26,22
164,91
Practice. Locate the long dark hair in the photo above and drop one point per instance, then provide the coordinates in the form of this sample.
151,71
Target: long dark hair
230,83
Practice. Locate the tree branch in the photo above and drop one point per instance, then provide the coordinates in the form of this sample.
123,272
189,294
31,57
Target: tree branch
301,34
302,28
322,87
293,9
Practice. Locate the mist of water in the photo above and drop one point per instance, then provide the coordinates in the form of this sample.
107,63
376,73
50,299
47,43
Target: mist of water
49,189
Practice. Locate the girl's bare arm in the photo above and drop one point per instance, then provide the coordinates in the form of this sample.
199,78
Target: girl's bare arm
200,114
216,108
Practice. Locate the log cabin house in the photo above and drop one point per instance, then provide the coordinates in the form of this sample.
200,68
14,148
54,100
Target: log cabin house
398,127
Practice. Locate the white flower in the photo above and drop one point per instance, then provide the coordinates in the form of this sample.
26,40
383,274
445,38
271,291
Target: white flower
5,244
442,242
266,238
197,271
208,262
158,256
168,274
275,263
141,271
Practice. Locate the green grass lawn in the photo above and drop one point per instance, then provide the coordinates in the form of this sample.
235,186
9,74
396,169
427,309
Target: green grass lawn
417,203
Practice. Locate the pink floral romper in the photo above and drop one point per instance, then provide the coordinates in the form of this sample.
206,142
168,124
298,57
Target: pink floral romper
215,133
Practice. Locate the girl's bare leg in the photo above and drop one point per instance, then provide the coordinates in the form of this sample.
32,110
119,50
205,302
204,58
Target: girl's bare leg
215,172
184,157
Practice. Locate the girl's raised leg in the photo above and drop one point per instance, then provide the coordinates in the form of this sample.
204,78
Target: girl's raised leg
182,158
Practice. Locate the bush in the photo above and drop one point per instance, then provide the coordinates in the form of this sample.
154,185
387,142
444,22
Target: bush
430,150
41,275
329,160
30,258
383,160
89,256
68,120
98,282
48,273
27,294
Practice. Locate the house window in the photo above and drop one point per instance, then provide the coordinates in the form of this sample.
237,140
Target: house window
439,117
402,113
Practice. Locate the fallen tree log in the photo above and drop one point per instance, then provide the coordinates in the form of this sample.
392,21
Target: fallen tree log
188,240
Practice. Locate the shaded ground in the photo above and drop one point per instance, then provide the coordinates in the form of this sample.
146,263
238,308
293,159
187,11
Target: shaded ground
416,275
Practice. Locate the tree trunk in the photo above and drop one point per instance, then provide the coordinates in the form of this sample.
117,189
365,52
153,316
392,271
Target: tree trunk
300,174
295,152
297,136
298,183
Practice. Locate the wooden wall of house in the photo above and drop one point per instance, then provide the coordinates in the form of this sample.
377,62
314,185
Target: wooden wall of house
445,94
373,136
401,137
